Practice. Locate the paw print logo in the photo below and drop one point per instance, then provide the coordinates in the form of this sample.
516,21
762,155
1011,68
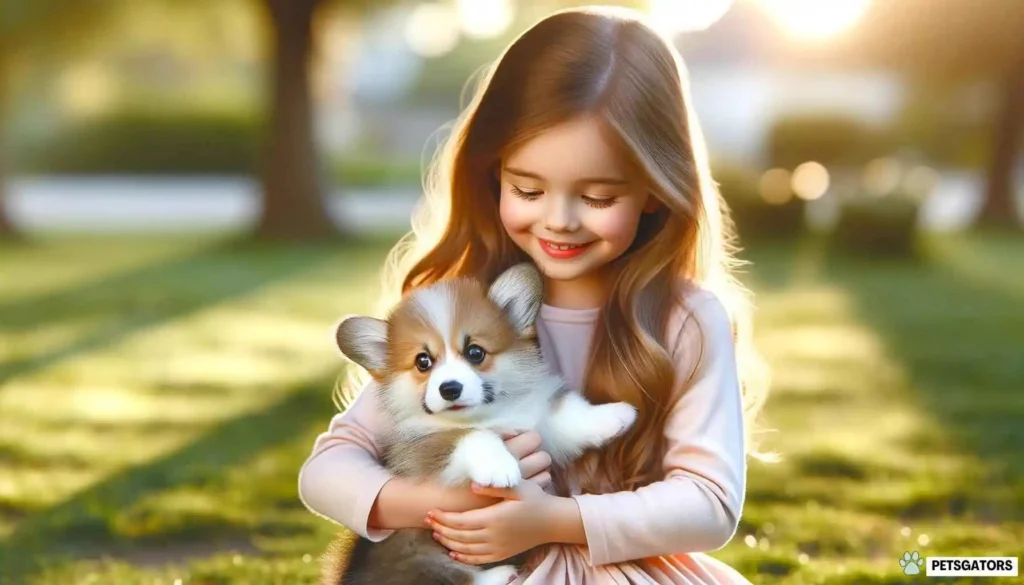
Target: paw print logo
911,563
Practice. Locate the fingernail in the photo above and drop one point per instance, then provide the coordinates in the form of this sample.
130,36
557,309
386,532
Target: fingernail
436,536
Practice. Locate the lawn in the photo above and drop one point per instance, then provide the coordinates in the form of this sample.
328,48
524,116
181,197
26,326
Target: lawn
158,396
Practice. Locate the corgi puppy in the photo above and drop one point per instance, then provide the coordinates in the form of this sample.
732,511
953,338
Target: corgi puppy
454,363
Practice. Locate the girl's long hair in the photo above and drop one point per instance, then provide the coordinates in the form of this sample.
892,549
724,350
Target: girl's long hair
607,63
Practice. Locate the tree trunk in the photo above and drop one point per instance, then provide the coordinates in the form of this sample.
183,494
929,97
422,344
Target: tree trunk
8,231
999,208
293,200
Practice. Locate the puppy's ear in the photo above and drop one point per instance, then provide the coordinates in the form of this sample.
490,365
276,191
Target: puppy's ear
364,340
518,292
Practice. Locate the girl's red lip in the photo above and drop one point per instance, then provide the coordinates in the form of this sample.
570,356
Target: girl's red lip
550,249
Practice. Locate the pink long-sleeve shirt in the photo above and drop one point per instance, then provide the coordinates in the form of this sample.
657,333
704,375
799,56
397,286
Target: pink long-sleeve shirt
655,534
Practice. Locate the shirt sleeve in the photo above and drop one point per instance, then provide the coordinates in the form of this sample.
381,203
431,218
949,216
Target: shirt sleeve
343,476
697,506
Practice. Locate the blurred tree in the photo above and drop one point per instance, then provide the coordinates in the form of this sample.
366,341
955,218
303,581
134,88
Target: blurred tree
7,228
11,13
293,203
963,41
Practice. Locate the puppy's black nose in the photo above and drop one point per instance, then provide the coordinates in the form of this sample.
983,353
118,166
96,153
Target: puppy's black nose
451,390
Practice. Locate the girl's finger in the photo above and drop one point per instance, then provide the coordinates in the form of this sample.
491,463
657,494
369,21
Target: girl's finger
493,492
542,479
522,445
474,559
471,520
534,463
507,434
467,536
463,547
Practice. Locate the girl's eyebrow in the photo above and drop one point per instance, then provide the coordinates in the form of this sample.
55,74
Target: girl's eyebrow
583,181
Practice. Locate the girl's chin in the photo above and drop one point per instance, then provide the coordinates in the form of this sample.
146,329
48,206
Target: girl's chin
563,269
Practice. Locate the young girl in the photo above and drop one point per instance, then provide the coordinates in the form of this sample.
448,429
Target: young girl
579,153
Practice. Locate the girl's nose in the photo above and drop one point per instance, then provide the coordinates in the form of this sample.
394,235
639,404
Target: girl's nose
561,215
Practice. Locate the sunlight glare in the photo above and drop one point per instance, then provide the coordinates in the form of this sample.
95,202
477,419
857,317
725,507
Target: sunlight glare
775,186
678,16
432,29
881,176
816,19
485,19
810,180
88,89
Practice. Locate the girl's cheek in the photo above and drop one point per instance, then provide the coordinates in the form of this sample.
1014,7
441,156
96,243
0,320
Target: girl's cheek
514,215
617,227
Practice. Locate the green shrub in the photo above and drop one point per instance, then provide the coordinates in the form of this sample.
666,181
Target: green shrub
830,139
150,142
376,172
754,217
186,142
943,127
878,227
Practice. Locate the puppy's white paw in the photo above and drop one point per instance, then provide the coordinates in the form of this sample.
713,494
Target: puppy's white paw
499,470
502,575
611,420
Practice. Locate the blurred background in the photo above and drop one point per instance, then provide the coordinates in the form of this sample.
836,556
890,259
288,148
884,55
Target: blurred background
192,192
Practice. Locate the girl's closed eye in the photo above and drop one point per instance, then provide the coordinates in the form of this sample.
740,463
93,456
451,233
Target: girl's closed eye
600,202
596,202
525,194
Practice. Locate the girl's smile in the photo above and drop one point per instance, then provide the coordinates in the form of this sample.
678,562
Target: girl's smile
561,251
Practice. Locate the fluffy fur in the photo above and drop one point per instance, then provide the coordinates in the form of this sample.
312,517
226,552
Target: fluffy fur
455,364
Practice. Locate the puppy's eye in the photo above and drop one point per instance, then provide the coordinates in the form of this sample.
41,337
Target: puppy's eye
475,354
423,362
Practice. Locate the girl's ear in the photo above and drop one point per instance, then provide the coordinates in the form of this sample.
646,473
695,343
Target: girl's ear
653,204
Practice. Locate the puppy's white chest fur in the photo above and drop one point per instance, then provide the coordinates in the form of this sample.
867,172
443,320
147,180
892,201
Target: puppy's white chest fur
568,425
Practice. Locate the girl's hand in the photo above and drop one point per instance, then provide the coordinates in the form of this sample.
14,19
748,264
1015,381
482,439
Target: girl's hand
533,464
515,524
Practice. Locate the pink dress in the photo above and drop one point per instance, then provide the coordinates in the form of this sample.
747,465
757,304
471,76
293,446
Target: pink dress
654,535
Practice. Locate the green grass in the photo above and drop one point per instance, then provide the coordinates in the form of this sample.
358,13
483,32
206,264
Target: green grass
158,396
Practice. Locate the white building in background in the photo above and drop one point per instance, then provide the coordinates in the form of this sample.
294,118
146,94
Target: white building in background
737,92
737,105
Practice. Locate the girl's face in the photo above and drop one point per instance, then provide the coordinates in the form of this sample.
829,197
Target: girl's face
569,202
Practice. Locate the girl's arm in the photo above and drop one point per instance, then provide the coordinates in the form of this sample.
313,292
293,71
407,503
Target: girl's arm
342,477
343,480
697,506
404,504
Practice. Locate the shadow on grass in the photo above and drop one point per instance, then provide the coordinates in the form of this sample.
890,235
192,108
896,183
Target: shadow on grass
81,524
957,326
150,295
